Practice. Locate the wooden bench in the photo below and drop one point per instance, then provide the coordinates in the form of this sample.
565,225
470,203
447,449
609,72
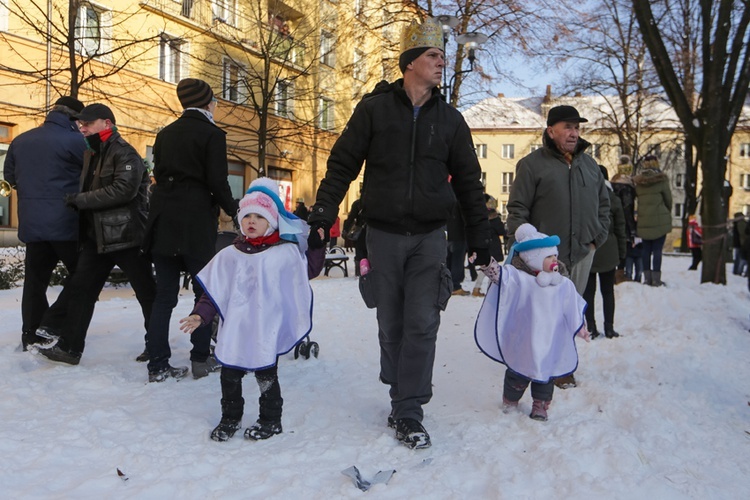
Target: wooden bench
336,257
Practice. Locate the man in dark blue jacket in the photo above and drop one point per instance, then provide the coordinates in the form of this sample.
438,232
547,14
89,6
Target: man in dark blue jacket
420,163
43,165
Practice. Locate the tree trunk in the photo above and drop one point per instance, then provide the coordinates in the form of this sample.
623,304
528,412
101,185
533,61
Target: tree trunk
713,216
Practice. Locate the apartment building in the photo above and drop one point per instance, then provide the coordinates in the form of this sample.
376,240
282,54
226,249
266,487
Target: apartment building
287,74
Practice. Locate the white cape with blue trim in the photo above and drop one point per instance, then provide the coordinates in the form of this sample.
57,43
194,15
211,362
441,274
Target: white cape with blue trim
529,328
264,302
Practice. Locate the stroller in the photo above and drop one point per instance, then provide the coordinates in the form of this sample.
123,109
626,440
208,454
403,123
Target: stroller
305,348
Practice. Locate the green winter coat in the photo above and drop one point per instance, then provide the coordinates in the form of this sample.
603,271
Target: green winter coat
613,250
568,201
654,204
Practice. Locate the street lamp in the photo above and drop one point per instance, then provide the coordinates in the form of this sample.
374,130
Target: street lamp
470,41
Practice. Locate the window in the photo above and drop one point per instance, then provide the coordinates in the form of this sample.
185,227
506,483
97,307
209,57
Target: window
745,181
170,58
284,179
187,7
745,150
326,113
327,54
507,181
225,11
232,82
678,180
502,208
3,16
236,178
359,69
679,210
284,99
596,151
90,27
509,151
746,210
534,147
483,179
481,150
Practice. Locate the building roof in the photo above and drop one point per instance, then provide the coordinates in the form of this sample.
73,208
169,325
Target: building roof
525,113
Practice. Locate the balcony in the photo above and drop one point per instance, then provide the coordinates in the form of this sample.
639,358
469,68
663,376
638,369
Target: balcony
224,20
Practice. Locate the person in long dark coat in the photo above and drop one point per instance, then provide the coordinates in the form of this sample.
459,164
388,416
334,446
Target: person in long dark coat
190,157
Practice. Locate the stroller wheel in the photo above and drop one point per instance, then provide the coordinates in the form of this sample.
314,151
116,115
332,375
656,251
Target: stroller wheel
296,351
314,349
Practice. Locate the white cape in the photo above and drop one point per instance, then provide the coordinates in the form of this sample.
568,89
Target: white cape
264,313
529,328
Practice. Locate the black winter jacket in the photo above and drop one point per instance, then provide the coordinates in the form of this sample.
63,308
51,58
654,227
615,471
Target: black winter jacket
115,204
409,163
190,168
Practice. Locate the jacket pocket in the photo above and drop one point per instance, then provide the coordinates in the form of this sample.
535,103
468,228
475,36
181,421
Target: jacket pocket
368,289
445,287
116,227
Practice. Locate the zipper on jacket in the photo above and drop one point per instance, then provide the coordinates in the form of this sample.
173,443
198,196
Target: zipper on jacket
412,154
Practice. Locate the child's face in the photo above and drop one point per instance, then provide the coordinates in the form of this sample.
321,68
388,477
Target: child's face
254,226
549,264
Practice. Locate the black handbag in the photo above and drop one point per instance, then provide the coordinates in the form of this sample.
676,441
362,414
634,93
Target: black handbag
354,232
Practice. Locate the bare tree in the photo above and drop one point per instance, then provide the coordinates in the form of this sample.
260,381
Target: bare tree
723,76
81,45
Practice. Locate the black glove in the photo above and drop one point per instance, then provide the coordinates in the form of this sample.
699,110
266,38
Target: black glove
483,256
70,200
314,240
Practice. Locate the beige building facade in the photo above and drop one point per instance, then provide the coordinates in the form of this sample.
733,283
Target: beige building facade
287,75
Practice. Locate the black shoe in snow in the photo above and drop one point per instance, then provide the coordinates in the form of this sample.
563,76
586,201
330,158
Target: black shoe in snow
412,434
262,430
225,430
143,357
391,421
177,373
203,368
45,338
57,353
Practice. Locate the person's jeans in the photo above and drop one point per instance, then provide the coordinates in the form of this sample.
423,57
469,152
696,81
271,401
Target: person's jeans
607,289
168,269
740,264
455,259
634,264
652,251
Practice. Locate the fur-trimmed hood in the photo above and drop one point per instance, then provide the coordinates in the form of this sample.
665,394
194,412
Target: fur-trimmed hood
649,176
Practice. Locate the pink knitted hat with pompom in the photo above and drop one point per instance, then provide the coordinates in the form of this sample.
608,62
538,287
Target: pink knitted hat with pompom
260,203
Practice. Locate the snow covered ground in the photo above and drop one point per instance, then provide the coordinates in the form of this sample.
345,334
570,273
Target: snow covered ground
661,412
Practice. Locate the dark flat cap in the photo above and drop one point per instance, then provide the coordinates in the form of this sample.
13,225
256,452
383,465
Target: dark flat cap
94,112
564,114
70,102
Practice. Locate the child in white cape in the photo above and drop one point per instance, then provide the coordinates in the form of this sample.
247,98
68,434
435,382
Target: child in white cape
529,319
259,287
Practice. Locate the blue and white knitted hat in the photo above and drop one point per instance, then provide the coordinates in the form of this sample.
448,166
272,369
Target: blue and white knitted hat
533,246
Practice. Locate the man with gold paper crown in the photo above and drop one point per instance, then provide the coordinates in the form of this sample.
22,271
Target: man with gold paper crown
420,161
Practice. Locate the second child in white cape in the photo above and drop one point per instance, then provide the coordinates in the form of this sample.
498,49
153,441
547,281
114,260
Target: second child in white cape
529,319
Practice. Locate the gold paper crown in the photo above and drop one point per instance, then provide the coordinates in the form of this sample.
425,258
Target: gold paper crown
427,34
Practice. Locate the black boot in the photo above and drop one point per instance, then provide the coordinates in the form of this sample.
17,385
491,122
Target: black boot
225,430
609,332
270,405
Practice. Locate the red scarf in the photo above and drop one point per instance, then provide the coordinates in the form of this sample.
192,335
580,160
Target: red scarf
105,134
264,240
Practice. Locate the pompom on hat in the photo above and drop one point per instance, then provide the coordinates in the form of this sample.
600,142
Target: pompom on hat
533,247
417,38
